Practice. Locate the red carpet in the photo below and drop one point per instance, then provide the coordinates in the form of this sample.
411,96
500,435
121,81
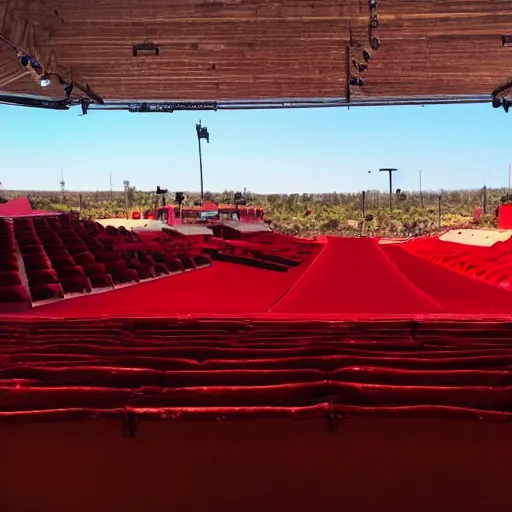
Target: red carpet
224,288
355,276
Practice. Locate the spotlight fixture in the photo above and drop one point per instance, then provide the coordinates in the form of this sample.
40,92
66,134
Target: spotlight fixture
373,4
360,67
27,60
355,80
85,107
374,21
179,197
161,192
366,55
68,90
45,81
506,105
375,43
496,102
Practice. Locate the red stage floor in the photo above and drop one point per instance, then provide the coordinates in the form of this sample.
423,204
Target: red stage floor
355,277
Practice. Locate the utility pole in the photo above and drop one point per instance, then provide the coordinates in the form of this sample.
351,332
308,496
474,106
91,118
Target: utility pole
126,184
421,190
62,186
202,133
111,193
484,206
439,211
390,172
363,223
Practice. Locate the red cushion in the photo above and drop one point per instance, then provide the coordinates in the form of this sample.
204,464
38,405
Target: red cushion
96,268
85,258
9,278
43,291
46,276
77,284
71,271
101,281
13,294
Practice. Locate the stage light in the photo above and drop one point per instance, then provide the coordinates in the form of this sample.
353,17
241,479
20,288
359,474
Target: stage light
375,43
24,61
68,90
179,197
360,67
366,55
373,4
356,81
496,102
506,105
45,81
85,107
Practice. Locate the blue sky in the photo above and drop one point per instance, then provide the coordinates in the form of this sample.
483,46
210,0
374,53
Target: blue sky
284,151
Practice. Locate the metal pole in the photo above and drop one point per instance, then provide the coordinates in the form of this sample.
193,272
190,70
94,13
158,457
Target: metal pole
198,129
485,200
421,191
390,191
364,214
390,172
510,177
439,211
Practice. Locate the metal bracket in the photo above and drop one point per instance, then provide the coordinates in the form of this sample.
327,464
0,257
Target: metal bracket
145,48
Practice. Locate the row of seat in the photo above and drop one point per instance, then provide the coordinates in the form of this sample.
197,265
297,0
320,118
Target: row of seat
81,261
12,290
490,264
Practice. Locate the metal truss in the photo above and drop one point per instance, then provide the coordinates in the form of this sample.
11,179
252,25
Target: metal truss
176,106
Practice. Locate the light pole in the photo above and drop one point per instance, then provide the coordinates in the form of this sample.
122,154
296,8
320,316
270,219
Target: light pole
390,172
421,191
202,133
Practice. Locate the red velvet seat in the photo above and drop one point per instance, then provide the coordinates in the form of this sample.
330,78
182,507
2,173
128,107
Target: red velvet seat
76,284
144,271
107,256
9,278
203,259
27,240
44,291
58,253
115,266
120,276
101,281
175,265
62,261
43,276
36,261
8,263
84,258
17,293
74,271
188,263
94,269
32,249
77,248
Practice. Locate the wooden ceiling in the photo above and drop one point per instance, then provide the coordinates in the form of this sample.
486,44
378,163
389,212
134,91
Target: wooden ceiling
257,49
